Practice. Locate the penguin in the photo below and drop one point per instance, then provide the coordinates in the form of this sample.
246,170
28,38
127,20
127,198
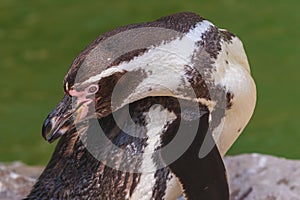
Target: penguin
148,112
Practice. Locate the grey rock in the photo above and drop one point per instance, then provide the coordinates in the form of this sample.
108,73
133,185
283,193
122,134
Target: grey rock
16,180
251,177
263,177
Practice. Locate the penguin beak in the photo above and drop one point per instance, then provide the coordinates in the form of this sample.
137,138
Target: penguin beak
59,120
72,109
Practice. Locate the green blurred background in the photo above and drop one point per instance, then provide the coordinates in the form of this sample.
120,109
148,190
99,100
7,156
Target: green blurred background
40,38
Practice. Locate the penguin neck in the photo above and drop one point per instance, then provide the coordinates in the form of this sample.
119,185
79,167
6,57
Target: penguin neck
200,178
70,170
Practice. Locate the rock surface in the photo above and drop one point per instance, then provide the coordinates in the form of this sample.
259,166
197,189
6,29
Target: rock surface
262,177
251,177
16,180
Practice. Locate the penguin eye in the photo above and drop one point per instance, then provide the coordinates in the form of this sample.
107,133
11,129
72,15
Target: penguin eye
92,89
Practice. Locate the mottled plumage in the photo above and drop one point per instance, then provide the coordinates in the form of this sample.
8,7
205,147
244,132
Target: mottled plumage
182,78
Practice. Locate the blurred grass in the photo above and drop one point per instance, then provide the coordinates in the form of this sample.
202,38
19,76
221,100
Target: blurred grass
40,38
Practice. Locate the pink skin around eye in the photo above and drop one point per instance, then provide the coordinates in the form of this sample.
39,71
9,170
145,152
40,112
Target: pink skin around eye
83,101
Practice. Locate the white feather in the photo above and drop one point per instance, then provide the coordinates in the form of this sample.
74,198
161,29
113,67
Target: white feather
235,77
156,120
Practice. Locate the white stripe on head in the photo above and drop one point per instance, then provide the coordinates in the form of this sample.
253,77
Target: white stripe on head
103,74
173,55
164,66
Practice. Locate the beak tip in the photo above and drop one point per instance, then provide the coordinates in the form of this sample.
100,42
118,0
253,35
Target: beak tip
47,131
56,121
51,130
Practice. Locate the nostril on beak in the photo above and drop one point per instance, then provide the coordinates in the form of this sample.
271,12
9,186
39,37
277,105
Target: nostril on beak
46,129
